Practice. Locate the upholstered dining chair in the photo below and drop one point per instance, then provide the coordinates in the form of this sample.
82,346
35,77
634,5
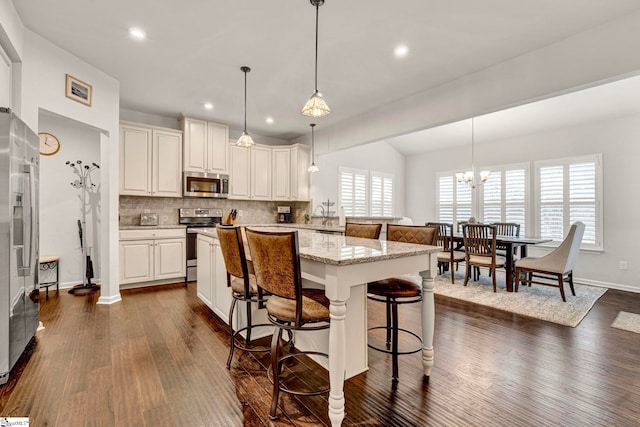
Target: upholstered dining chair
448,257
480,250
243,286
365,231
557,266
400,290
276,260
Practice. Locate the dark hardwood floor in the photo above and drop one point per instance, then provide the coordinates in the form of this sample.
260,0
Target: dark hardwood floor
158,358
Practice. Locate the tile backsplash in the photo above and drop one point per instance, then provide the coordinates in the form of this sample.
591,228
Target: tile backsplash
249,211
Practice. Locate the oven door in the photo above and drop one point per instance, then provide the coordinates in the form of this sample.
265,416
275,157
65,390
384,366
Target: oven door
198,184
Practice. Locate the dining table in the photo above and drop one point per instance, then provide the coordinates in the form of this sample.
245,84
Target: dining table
343,266
509,243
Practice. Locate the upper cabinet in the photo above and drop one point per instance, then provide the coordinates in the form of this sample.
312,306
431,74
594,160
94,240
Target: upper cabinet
250,173
300,176
150,161
205,146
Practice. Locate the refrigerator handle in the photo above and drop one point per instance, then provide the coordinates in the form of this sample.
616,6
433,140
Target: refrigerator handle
27,256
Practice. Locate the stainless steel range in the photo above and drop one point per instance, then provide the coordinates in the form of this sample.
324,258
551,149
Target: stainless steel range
197,218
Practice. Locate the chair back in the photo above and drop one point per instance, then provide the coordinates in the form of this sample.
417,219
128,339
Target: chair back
418,234
564,257
479,240
365,231
507,229
235,260
276,261
445,235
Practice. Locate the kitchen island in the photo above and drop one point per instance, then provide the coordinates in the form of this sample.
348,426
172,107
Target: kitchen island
342,266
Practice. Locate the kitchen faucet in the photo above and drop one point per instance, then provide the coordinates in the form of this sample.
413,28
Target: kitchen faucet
326,213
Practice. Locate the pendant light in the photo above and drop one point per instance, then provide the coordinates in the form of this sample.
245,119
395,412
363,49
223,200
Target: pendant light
245,139
313,167
315,106
469,177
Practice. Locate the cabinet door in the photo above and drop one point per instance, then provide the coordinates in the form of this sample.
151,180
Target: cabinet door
169,259
135,161
300,177
239,172
260,173
205,267
217,147
222,294
167,164
195,145
281,173
136,261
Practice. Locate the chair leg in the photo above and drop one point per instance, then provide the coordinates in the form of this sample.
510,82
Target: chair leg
453,276
515,288
394,347
275,369
231,350
494,279
530,278
561,286
467,274
389,322
248,340
573,292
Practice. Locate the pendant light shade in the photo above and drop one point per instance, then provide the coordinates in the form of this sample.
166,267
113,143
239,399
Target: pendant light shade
245,139
316,106
313,167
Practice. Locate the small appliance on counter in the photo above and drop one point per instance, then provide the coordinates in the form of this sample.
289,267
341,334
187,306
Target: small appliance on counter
148,219
284,214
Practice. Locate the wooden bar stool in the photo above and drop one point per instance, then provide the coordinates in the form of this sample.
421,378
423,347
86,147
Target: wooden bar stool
48,263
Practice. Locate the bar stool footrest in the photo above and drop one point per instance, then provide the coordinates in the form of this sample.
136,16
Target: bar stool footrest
399,330
297,392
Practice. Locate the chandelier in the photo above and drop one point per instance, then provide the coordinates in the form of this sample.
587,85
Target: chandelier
469,177
315,106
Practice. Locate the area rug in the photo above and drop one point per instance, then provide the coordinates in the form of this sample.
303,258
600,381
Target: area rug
627,321
539,302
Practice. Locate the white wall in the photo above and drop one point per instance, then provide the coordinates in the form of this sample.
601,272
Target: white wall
378,156
60,205
616,139
43,88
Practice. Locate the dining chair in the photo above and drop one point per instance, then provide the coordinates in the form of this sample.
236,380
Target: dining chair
276,260
511,229
480,250
243,287
448,256
365,231
555,267
400,290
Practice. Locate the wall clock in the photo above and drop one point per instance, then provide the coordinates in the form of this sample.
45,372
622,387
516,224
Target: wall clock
49,144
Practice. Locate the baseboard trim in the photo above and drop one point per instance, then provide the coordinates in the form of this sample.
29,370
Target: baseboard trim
109,300
608,285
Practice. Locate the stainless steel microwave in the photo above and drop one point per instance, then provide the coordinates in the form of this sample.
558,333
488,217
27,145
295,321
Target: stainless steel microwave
198,184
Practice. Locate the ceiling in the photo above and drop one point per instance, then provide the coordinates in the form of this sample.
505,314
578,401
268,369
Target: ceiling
195,49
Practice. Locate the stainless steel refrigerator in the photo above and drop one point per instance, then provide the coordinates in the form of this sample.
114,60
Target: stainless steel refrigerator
19,300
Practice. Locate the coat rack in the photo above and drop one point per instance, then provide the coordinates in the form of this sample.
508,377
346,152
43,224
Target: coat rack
85,185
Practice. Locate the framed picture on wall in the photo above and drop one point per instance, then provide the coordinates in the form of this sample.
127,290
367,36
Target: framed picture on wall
78,90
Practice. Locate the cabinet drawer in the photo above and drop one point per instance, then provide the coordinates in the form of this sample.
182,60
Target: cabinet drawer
156,233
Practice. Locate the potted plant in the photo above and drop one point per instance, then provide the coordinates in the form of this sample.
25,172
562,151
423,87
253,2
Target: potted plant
306,218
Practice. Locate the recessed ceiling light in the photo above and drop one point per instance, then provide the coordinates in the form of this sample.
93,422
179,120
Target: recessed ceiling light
137,33
208,106
269,120
401,51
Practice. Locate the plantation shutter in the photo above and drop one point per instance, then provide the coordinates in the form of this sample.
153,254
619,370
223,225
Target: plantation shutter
445,199
381,194
353,191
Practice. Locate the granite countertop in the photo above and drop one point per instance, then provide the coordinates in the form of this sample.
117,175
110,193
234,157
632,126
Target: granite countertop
340,250
151,227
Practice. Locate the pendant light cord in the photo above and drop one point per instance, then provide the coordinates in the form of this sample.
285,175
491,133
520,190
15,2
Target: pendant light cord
245,101
313,145
317,8
473,159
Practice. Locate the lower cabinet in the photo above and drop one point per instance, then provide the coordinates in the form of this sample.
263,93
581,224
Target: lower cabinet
212,288
149,255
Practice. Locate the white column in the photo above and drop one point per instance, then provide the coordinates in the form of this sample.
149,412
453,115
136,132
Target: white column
428,313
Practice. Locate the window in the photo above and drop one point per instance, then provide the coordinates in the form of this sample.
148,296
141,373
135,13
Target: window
570,190
365,193
505,195
454,199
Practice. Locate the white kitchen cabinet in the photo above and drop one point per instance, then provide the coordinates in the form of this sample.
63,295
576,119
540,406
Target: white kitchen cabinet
300,177
260,172
150,161
205,146
154,254
281,173
204,286
250,173
222,294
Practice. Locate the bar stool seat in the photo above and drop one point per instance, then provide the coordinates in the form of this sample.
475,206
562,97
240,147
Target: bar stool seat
397,287
47,263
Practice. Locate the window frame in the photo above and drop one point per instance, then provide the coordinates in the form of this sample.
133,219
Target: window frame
528,214
368,176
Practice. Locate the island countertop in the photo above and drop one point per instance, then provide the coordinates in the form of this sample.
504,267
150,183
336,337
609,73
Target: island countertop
340,250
